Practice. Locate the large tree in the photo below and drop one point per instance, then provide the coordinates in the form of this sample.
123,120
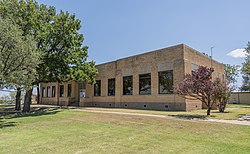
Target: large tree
64,55
198,85
19,58
246,70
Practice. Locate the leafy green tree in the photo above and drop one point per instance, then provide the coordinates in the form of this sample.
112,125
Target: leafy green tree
246,71
64,55
19,58
231,73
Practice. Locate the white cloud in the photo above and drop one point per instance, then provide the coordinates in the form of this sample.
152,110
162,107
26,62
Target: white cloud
237,53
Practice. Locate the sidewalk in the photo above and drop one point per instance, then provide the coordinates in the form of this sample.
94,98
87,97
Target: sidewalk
236,122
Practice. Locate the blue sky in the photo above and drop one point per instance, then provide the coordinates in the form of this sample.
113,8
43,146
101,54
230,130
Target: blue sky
119,28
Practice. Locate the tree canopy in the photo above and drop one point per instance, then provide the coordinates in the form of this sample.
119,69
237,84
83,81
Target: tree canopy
198,85
19,56
64,57
246,70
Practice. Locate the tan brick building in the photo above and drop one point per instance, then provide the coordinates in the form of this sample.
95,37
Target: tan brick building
143,81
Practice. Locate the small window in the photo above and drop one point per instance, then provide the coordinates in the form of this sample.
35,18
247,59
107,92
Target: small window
97,88
69,90
145,84
111,87
48,91
43,92
53,91
61,90
128,85
165,82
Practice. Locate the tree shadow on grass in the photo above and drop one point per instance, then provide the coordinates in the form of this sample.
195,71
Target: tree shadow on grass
35,111
190,117
4,124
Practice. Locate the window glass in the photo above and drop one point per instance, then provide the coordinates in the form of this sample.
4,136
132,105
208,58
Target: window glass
61,90
145,84
82,87
165,82
128,85
69,90
97,88
111,87
194,67
53,91
43,92
48,91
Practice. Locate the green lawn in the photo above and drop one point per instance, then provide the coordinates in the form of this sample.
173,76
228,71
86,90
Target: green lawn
232,112
69,131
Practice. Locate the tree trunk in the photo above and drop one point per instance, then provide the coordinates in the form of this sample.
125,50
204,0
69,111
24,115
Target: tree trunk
221,107
208,108
18,99
38,93
27,100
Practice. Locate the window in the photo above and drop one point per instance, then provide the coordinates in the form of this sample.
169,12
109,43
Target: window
145,84
53,91
165,82
61,90
43,92
194,67
128,85
82,87
69,90
48,91
111,87
97,88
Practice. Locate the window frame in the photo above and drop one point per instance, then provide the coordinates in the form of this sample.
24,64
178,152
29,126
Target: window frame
140,75
99,82
53,94
43,92
159,84
123,88
113,80
60,90
69,90
48,91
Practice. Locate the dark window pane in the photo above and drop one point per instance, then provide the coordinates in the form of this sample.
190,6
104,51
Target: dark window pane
53,91
43,92
48,91
61,90
165,82
111,87
69,90
97,88
128,85
145,84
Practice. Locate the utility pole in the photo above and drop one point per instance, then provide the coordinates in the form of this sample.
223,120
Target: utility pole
212,57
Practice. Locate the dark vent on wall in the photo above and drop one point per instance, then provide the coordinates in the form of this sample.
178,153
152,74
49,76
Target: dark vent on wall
166,106
145,105
125,105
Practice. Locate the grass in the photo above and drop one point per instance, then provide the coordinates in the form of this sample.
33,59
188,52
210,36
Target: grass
232,112
68,131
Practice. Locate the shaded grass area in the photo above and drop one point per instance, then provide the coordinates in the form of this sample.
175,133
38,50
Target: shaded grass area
55,130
